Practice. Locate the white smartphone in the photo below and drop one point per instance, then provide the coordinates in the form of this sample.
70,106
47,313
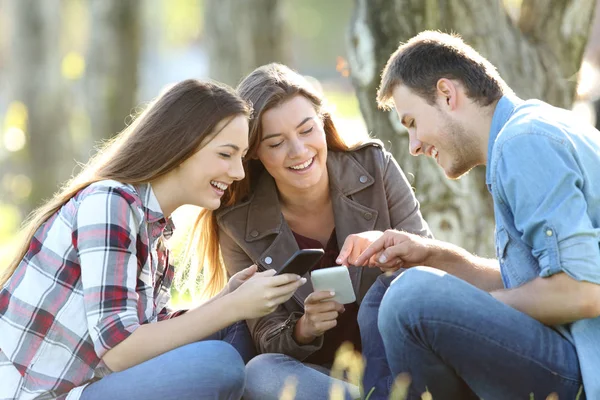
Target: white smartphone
336,279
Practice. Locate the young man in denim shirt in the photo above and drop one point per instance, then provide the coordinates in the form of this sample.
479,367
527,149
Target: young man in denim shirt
464,327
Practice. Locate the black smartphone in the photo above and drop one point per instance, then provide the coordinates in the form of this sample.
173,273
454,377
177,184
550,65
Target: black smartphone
301,262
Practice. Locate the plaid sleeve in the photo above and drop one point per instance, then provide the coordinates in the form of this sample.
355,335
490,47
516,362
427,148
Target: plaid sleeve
106,233
167,313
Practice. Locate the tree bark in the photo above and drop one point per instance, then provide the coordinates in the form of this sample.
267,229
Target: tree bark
112,65
243,35
34,70
538,56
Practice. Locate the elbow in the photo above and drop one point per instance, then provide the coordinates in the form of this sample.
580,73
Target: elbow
112,362
590,301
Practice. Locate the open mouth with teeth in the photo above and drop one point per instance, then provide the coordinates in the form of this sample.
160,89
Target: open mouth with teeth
219,186
303,166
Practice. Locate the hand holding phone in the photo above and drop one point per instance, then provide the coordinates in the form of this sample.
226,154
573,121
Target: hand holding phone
335,279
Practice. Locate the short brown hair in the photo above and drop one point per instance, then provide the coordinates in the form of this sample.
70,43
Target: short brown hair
431,55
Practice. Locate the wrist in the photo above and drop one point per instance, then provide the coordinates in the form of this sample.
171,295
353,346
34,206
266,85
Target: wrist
300,334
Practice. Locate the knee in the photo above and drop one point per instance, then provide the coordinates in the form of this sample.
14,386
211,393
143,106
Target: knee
263,376
416,292
222,366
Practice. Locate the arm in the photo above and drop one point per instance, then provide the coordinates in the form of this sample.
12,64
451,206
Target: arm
105,236
273,333
551,212
555,300
405,250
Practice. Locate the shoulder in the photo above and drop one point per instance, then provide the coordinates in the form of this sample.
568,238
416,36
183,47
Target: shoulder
536,121
110,189
370,154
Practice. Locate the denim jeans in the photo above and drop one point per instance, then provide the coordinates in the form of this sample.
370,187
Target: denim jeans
268,374
210,369
458,342
377,378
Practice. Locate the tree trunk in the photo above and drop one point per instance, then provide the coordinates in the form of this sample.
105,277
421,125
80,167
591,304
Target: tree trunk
243,35
34,79
538,56
112,65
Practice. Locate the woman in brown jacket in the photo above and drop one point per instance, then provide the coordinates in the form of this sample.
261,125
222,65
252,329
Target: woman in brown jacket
306,187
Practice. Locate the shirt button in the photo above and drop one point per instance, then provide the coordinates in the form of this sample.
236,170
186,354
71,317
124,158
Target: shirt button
254,233
368,216
268,260
363,179
549,232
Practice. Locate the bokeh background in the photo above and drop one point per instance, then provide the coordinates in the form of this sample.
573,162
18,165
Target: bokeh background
74,72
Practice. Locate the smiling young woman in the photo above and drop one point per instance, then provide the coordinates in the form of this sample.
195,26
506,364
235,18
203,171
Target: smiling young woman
305,187
83,306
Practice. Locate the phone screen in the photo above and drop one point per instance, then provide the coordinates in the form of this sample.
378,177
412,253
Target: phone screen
301,262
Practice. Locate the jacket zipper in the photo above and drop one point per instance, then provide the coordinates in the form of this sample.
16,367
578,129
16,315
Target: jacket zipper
287,324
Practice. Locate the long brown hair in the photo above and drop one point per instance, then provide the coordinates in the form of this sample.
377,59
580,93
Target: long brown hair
265,88
169,131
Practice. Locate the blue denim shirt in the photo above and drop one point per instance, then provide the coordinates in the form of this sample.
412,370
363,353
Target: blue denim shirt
543,172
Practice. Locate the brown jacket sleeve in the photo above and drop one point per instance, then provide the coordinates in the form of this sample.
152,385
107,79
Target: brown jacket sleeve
273,332
405,213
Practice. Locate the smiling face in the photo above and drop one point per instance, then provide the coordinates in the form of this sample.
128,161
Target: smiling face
204,177
435,133
293,146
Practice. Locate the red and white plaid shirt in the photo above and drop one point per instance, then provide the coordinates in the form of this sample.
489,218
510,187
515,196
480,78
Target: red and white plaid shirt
94,272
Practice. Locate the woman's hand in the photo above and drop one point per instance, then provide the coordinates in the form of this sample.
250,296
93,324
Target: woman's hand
260,294
320,315
236,280
354,245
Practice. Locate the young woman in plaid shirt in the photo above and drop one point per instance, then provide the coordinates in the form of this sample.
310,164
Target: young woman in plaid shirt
83,306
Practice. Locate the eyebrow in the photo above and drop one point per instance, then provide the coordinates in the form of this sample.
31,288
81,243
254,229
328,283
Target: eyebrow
305,120
233,146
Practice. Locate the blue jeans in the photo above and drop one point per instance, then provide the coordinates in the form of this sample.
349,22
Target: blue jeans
268,374
210,369
377,378
458,342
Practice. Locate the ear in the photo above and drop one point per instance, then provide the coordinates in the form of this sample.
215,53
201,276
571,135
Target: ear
447,92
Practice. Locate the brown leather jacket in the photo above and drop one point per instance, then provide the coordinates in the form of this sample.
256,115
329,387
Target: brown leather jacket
368,192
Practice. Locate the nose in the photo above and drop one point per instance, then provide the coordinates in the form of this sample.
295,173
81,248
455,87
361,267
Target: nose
415,145
236,172
296,148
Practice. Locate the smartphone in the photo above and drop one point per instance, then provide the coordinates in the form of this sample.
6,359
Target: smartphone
301,262
335,279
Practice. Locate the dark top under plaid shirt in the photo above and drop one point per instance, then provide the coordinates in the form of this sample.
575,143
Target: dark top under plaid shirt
94,273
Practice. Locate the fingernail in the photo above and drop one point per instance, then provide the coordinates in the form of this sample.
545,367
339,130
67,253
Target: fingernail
382,258
303,281
332,293
297,276
338,261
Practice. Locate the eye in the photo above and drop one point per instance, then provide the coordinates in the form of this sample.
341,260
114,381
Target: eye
411,124
275,145
307,131
225,155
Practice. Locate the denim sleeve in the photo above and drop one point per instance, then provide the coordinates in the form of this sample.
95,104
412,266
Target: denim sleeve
539,179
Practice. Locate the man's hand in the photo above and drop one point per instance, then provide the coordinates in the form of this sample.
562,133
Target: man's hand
396,249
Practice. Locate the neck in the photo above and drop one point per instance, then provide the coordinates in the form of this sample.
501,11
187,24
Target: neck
308,199
481,124
163,191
